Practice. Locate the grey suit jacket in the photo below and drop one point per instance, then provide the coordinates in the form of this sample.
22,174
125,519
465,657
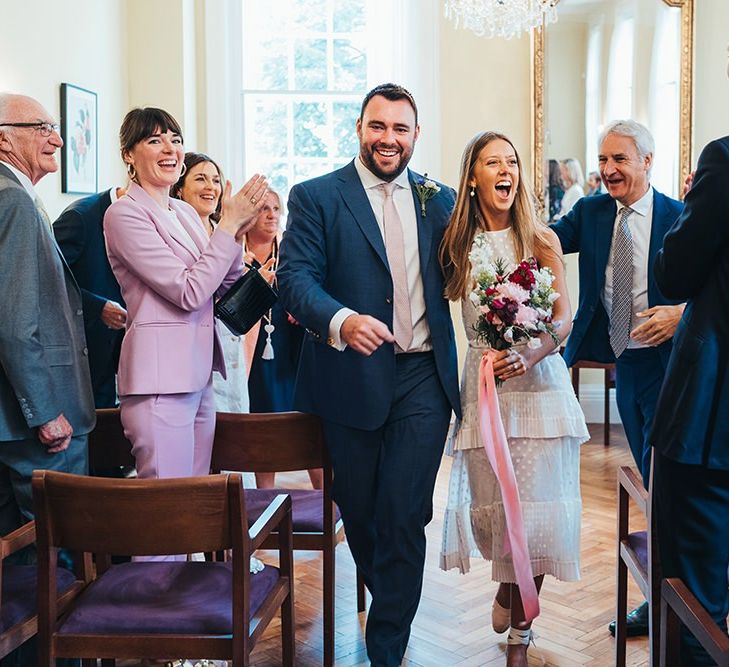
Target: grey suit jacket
44,368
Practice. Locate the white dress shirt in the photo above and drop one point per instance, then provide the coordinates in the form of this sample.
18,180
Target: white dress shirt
640,222
183,236
403,199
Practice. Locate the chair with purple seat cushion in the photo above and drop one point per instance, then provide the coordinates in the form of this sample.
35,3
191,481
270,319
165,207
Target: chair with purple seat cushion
19,587
281,442
160,609
637,554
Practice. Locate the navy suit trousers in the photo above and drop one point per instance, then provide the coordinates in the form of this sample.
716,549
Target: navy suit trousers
638,379
691,505
383,484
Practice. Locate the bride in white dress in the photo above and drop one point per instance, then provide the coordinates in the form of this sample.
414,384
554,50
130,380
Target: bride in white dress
543,421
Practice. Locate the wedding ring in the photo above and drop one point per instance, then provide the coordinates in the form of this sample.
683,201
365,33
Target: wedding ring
253,200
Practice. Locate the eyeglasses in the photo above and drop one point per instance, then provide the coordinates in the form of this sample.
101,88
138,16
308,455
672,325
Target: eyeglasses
44,128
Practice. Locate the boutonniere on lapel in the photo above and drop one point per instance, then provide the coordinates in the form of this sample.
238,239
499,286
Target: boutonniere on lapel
425,189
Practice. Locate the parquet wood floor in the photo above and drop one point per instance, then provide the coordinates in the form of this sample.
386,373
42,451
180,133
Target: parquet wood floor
452,626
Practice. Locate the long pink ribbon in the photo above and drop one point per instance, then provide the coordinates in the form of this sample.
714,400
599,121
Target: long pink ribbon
497,451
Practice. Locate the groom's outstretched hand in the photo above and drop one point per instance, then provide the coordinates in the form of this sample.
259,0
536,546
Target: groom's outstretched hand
364,334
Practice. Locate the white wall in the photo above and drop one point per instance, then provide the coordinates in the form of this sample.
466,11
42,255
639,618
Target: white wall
711,88
46,43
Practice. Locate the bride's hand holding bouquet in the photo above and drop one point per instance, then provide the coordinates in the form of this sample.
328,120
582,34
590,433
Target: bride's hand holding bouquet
515,310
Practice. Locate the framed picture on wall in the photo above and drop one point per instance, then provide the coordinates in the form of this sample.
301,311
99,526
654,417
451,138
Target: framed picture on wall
79,130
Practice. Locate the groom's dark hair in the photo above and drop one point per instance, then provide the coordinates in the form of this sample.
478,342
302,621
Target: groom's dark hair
392,92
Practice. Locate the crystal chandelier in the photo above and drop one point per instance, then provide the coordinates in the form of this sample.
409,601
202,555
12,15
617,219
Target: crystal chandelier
500,18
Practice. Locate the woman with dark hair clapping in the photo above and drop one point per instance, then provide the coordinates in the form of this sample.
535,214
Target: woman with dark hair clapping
169,271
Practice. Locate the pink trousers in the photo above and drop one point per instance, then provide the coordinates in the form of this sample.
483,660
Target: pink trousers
171,436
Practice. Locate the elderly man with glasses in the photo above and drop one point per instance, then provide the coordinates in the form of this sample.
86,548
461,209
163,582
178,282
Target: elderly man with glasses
46,402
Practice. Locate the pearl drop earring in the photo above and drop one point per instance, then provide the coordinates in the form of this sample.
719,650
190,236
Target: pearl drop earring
473,191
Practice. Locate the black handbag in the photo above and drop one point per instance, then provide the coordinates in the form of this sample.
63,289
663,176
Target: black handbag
246,302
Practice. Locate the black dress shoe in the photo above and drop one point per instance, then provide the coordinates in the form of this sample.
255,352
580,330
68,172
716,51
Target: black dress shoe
636,622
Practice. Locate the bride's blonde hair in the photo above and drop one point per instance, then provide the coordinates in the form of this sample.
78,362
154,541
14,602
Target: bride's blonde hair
530,235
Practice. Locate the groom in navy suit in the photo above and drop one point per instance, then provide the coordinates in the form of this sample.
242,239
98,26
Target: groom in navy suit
359,269
622,316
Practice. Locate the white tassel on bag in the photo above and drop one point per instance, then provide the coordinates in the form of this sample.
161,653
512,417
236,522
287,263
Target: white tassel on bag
268,349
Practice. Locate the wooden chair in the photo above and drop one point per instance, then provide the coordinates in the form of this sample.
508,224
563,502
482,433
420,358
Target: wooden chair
19,583
159,609
108,446
680,607
609,381
637,553
280,442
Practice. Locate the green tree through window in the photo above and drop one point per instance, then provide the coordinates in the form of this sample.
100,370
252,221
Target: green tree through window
304,76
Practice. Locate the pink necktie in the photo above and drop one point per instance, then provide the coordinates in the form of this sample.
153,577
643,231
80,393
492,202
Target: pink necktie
402,325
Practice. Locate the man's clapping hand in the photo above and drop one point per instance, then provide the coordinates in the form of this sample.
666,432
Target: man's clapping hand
56,434
364,334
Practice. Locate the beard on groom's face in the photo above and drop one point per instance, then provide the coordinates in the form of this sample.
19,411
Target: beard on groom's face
386,161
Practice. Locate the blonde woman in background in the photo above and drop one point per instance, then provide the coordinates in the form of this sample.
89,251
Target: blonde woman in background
574,184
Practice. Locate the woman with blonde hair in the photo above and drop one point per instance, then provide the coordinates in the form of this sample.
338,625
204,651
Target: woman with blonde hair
574,184
542,419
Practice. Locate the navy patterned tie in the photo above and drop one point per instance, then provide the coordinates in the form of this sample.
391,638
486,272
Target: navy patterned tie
622,306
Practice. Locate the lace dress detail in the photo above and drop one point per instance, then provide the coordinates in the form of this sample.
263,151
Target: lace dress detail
545,427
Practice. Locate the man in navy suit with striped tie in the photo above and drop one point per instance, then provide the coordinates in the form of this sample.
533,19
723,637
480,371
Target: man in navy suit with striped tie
622,316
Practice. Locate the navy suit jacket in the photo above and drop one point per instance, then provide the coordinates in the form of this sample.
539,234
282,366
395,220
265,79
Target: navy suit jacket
588,230
79,232
692,416
333,256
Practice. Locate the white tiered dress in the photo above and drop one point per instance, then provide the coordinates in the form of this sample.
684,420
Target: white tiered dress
545,427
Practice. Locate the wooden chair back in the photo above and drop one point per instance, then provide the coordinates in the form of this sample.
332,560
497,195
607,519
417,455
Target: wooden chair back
137,517
268,442
680,607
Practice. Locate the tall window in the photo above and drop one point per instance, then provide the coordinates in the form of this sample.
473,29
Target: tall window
665,101
620,71
305,71
592,95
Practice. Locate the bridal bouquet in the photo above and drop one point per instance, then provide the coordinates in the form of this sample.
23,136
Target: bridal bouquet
515,306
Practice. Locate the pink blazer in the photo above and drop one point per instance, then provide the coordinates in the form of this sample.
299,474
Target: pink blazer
171,343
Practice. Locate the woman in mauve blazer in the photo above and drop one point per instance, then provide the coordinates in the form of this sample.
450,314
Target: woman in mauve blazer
169,272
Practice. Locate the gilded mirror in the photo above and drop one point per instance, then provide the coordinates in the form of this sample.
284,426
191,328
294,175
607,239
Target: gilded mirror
604,60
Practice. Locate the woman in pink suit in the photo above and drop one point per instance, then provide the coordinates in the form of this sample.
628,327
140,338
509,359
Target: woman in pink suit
169,271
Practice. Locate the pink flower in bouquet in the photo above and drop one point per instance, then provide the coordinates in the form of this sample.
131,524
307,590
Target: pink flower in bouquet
513,292
526,316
